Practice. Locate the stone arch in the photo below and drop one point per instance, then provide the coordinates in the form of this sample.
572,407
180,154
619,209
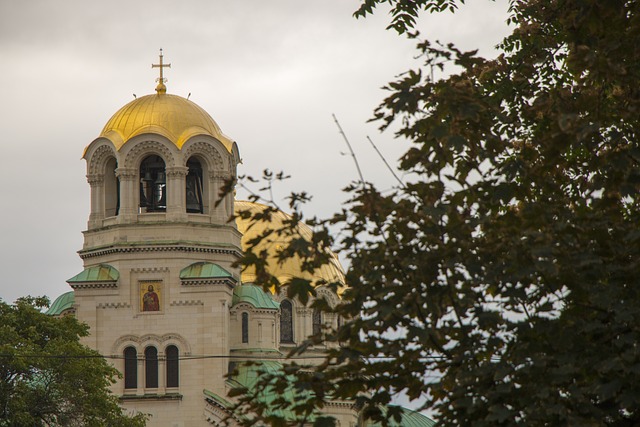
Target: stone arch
99,159
141,341
178,341
124,341
328,295
204,151
142,149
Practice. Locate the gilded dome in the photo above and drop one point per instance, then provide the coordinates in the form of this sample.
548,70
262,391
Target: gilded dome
331,272
172,116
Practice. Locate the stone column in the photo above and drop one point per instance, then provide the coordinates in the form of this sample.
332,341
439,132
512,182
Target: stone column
176,196
219,214
97,200
129,194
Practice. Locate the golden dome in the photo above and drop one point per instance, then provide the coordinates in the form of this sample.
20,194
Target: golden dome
171,116
331,272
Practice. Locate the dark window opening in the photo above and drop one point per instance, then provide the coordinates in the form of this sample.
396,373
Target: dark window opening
130,368
317,321
286,322
245,327
153,185
194,188
111,189
173,373
151,367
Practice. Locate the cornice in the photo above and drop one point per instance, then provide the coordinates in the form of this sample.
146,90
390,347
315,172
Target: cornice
94,285
177,247
228,281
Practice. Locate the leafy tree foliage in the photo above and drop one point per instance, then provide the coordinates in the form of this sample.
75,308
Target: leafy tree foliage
47,377
500,282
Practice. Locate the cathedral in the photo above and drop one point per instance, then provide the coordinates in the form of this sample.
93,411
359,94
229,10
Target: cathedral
159,289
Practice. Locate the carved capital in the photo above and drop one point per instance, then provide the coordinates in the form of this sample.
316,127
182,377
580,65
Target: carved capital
126,174
177,172
219,175
95,180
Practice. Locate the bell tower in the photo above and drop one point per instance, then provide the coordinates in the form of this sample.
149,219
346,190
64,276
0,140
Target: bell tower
158,251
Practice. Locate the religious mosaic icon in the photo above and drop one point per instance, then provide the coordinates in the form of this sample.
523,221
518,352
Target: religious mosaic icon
150,296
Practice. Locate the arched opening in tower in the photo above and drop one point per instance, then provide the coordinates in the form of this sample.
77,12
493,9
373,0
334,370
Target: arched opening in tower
111,189
153,185
194,186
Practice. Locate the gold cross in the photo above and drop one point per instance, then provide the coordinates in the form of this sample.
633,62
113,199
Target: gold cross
161,88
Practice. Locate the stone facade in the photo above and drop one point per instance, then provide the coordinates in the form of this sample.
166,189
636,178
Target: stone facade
158,260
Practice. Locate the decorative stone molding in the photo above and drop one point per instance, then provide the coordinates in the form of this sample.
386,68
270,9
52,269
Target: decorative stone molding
328,295
221,175
152,396
214,413
177,171
143,340
228,281
126,173
99,159
207,152
244,306
95,179
145,148
94,285
150,270
87,254
185,303
114,305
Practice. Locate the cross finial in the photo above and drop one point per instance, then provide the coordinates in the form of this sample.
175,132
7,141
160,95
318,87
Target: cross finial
161,88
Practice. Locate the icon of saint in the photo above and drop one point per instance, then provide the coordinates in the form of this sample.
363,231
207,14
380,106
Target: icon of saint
150,300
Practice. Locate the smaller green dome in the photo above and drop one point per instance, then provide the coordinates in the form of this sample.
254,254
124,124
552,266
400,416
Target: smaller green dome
409,417
253,295
62,303
203,270
97,273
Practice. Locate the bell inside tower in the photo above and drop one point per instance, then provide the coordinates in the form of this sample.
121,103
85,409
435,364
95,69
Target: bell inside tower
194,187
153,185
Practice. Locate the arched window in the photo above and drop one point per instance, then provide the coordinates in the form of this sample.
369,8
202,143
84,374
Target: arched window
193,187
151,367
245,327
111,189
130,368
173,374
317,321
153,185
286,322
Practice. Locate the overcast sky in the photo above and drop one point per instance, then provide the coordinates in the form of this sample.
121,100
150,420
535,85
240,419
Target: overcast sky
270,73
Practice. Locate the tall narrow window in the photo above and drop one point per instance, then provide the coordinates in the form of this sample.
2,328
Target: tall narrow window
286,322
130,368
317,321
173,374
153,185
151,367
245,327
193,184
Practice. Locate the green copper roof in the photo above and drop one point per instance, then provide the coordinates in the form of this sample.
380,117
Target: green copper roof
97,273
62,303
247,376
409,419
203,270
253,295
